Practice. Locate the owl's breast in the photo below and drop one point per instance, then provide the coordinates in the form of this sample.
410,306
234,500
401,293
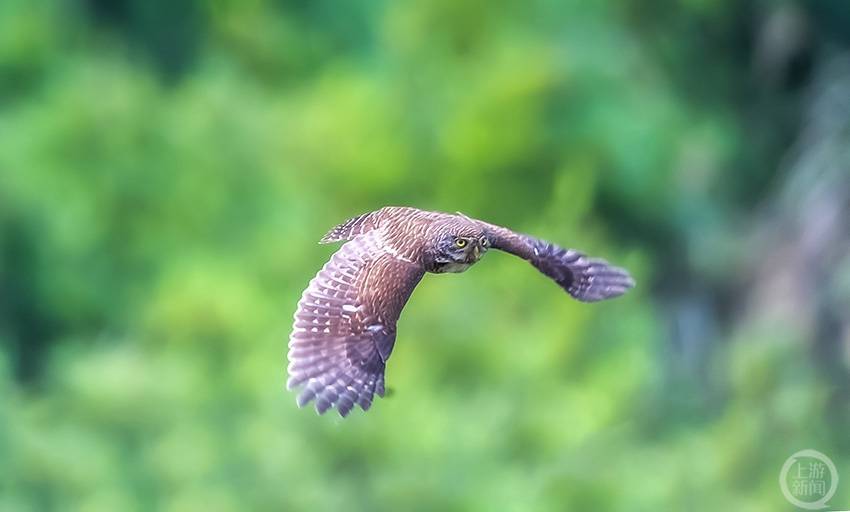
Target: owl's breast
452,267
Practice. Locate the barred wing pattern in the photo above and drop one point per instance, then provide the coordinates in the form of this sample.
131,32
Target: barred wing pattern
586,279
352,227
345,325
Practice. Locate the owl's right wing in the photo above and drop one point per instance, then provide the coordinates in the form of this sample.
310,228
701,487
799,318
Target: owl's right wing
584,278
345,324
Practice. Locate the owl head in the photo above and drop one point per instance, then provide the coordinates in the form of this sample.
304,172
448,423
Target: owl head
457,249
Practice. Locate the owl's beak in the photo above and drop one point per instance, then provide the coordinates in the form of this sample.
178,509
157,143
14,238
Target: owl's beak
476,253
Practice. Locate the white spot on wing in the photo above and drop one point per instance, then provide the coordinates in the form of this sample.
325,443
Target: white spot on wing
349,308
389,249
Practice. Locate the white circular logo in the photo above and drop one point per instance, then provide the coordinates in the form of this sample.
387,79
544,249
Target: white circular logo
808,479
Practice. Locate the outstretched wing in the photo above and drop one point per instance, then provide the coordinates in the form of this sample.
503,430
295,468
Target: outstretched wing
345,325
586,279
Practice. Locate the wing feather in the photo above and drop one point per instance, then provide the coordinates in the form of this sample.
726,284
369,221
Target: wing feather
352,227
584,278
345,325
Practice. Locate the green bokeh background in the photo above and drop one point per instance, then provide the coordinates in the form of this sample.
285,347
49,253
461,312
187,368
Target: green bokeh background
166,169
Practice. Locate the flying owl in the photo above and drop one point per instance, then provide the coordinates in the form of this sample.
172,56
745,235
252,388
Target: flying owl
345,324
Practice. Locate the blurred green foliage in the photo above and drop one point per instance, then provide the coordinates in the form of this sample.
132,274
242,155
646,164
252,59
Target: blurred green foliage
166,169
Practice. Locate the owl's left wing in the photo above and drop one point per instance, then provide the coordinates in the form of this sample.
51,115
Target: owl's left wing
586,279
345,325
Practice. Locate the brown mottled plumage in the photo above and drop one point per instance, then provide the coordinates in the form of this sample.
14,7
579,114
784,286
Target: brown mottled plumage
345,325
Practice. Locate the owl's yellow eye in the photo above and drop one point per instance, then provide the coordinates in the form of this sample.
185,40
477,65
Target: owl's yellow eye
460,242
